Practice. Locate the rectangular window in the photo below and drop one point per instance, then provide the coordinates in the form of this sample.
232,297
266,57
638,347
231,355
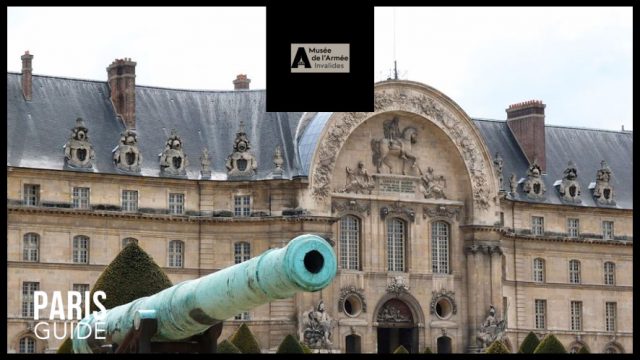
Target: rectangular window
81,198
176,204
81,288
243,316
574,272
576,315
242,205
81,249
573,228
540,313
395,245
607,230
610,316
349,243
27,297
130,200
31,195
538,270
609,273
537,225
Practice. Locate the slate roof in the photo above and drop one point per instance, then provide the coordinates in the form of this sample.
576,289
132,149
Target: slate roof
37,131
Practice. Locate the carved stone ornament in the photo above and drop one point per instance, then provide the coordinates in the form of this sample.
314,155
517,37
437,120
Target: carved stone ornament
278,161
438,295
205,171
349,205
487,249
358,180
433,186
347,291
127,156
440,211
318,327
569,188
78,151
394,311
413,101
498,162
534,186
491,329
241,163
395,143
603,191
398,286
173,160
513,184
398,209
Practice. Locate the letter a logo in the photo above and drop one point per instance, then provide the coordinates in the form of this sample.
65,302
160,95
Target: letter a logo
301,59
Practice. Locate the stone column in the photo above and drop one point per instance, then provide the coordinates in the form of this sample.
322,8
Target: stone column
473,294
495,253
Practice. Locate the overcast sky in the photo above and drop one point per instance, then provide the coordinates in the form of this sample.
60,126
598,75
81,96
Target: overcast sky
578,61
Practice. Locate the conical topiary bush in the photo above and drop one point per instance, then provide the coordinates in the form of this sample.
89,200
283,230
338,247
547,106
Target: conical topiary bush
305,348
244,340
290,346
497,347
400,350
427,350
131,275
529,344
550,345
584,350
226,347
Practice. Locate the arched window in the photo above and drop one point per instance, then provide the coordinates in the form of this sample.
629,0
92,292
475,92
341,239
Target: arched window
574,272
81,249
396,238
129,240
176,253
27,345
30,246
538,270
241,251
350,243
440,247
609,273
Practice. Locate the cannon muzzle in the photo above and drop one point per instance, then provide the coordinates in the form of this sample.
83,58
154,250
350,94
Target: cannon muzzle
307,263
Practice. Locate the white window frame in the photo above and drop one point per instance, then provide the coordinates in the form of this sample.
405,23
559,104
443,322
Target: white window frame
396,244
28,288
609,273
350,242
539,270
540,314
175,254
241,251
575,271
129,199
81,253
31,247
537,225
242,205
440,247
81,197
176,203
610,316
576,316
607,230
27,345
573,227
31,194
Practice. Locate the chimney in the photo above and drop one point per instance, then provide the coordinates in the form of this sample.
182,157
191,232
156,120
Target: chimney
122,83
26,75
241,82
526,122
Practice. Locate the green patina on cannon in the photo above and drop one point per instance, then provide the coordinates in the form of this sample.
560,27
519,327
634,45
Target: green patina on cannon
196,307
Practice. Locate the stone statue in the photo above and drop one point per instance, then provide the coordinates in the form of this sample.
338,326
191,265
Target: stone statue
358,181
569,188
498,162
433,186
205,172
127,156
534,186
78,151
603,191
278,161
513,183
491,329
395,143
173,160
241,163
317,332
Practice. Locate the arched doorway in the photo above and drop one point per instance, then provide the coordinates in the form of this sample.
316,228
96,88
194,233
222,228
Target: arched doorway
396,327
352,344
444,345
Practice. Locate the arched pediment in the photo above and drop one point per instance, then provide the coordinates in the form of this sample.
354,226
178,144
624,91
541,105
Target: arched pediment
425,102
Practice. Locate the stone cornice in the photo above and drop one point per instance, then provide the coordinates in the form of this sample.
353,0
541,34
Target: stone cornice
566,207
549,285
86,267
553,238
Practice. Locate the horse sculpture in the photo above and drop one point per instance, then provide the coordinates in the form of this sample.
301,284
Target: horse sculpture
394,143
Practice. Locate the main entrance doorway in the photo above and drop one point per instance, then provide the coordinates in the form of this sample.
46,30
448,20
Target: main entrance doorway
396,327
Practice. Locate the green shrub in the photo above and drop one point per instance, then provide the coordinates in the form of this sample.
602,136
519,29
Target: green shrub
290,346
400,350
131,275
529,344
550,345
584,350
305,348
66,347
497,347
427,350
226,347
244,340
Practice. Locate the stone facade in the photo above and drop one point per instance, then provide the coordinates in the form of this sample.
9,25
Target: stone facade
462,252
